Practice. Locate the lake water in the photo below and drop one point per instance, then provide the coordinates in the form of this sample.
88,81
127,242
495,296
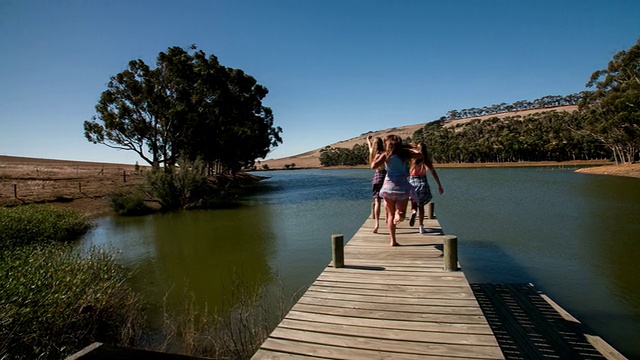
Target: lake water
574,236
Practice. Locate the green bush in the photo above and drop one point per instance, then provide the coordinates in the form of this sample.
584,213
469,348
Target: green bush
55,301
129,203
29,224
183,187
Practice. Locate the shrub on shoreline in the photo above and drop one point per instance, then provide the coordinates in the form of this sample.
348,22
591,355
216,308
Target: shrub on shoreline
129,203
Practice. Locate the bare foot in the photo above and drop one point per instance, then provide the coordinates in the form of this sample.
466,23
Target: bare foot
375,230
398,218
395,244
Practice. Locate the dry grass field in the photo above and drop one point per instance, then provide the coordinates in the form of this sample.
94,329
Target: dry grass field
74,184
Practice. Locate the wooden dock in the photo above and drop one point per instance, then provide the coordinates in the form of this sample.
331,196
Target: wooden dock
386,302
399,303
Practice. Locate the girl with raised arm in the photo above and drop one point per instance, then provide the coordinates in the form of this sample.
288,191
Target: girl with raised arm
396,189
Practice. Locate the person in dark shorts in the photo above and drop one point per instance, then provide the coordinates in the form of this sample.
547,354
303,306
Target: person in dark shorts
418,179
376,147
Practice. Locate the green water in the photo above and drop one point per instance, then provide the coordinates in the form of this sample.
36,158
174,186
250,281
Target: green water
574,236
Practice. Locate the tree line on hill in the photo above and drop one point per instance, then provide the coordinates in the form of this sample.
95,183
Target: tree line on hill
605,126
541,103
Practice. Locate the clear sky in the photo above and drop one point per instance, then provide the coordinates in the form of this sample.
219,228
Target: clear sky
334,68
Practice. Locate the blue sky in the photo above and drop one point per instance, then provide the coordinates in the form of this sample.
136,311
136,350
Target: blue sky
334,69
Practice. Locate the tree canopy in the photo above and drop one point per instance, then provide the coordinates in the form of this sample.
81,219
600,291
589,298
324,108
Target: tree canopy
188,107
611,112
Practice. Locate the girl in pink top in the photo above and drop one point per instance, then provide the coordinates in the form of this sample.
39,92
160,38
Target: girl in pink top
418,179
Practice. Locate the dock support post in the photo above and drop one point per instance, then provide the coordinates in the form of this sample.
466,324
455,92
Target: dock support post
430,211
450,253
337,250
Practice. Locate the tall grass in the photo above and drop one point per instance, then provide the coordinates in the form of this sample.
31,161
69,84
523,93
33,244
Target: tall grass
54,300
234,331
37,224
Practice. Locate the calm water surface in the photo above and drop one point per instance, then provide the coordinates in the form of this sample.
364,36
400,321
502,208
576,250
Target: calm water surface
574,236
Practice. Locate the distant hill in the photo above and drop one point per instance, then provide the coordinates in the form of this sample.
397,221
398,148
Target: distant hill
311,159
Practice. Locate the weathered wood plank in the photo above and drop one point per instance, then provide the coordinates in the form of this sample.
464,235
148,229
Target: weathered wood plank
390,306
450,281
420,293
388,333
396,346
480,329
391,315
327,351
391,287
391,298
267,355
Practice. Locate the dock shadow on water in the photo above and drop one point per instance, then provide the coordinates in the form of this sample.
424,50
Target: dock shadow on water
528,327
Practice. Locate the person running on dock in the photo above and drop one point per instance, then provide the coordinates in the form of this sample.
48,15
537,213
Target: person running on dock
418,179
396,189
376,147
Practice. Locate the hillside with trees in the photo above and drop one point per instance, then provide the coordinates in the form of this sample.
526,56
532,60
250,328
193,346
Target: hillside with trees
606,125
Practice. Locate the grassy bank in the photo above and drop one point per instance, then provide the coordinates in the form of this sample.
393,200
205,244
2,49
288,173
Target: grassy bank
56,300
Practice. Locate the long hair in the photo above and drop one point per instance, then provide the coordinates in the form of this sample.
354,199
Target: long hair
394,146
424,159
378,147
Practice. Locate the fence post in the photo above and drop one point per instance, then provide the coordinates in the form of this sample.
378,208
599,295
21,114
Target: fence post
124,175
337,250
450,253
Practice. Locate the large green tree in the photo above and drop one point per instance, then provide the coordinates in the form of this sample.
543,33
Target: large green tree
188,107
612,110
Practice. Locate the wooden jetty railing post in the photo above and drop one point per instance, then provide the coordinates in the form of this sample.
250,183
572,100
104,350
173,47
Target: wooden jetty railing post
430,211
337,250
450,253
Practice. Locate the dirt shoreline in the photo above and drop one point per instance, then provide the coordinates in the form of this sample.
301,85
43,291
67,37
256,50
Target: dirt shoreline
86,186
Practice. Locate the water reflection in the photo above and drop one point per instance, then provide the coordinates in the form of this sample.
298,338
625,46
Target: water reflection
281,233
